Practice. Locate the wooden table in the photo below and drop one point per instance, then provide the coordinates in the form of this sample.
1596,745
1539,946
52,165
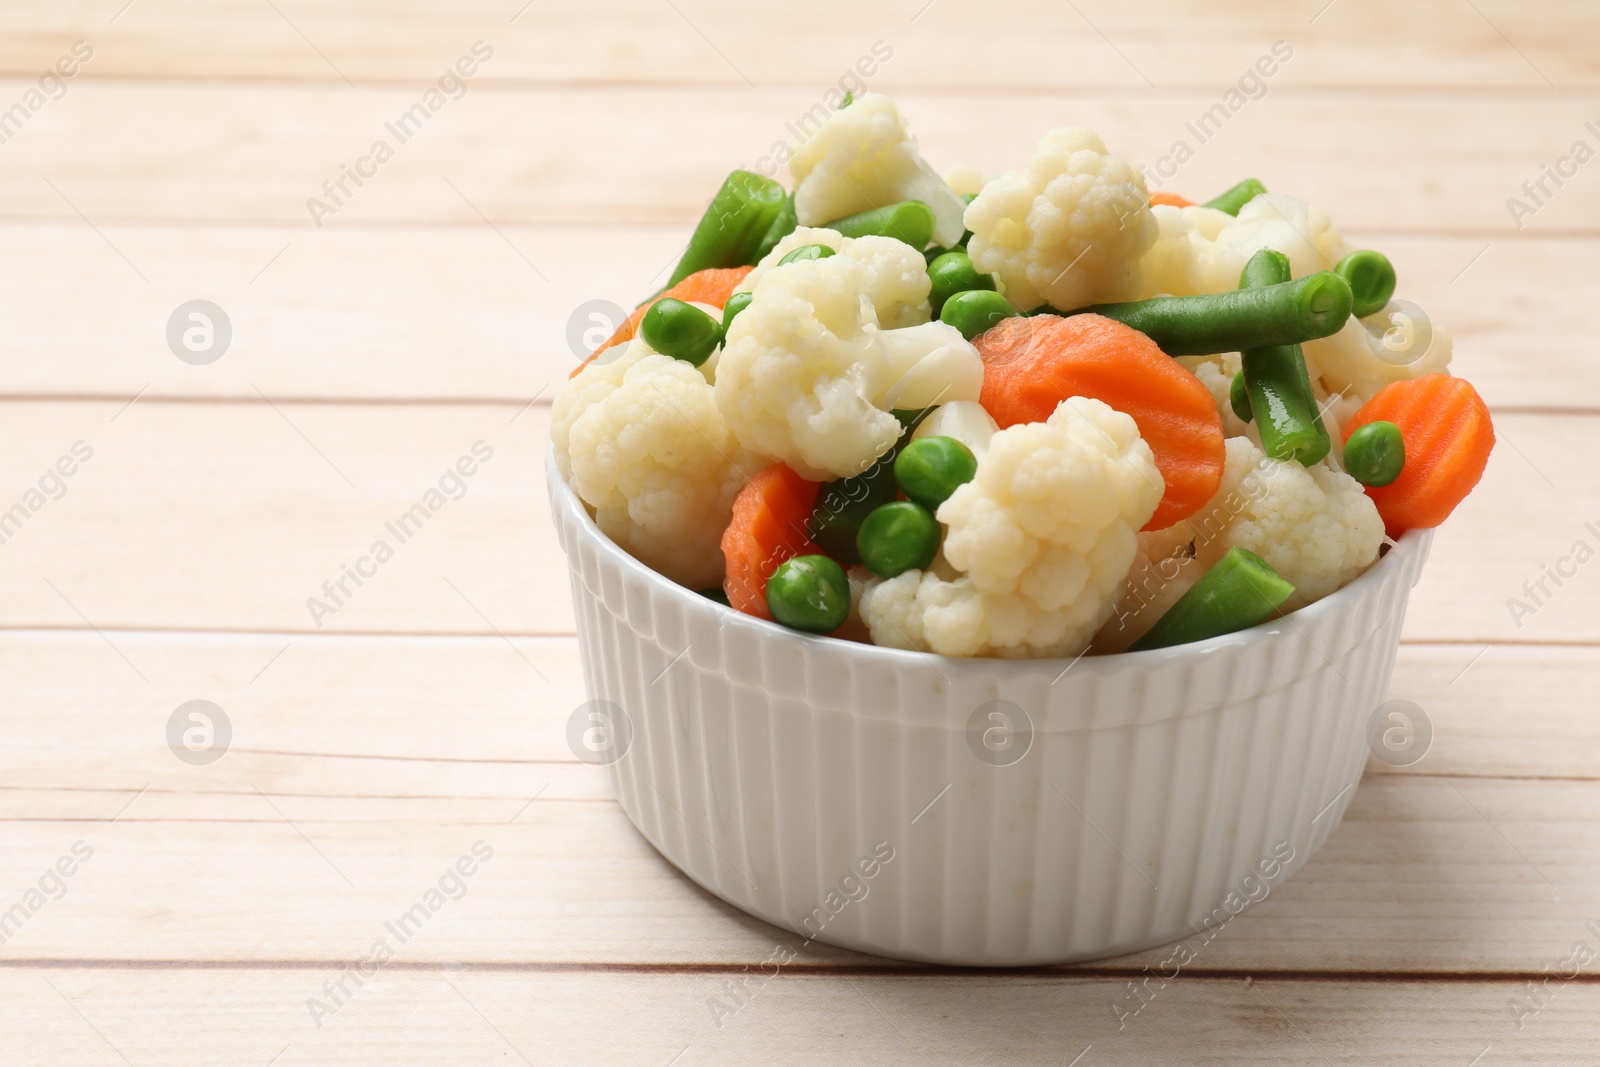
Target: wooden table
214,911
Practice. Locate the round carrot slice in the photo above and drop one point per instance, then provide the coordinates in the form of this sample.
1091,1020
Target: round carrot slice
711,286
1031,364
1170,199
1448,436
768,527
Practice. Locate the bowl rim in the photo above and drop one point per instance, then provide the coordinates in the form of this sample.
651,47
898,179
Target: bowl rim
1399,553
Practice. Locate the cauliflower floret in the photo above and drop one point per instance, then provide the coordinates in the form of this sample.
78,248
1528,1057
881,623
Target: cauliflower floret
642,443
1202,250
965,421
813,366
1068,229
1397,343
1043,538
1216,374
863,157
965,180
1314,525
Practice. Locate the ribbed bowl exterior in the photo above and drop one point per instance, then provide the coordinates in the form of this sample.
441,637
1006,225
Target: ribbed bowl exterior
837,790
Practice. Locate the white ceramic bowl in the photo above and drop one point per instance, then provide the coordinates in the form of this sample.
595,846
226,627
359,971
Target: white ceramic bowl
868,797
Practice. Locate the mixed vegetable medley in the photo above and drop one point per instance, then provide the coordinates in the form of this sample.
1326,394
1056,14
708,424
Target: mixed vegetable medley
1022,416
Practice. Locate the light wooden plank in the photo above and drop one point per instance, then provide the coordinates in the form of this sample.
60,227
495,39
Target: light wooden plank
1017,43
556,154
233,516
444,1016
453,312
477,721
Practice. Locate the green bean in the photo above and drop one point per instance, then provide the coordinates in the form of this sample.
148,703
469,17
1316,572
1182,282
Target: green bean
806,253
730,311
844,504
1375,454
954,273
930,469
910,221
975,310
1278,384
1285,314
809,593
1371,278
1237,197
680,330
733,226
782,226
898,537
1239,398
1241,591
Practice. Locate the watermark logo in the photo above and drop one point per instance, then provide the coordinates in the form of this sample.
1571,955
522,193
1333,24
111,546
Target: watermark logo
1399,733
999,733
591,324
199,332
1400,334
199,732
599,732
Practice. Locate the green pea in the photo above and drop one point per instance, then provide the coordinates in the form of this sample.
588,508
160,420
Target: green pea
1375,454
931,468
680,330
805,252
975,310
809,593
954,273
898,537
1239,397
736,303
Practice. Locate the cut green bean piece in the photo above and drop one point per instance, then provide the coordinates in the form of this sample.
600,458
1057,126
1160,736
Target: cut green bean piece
733,226
1239,398
1375,454
1237,197
910,221
680,330
1371,278
781,227
975,310
1241,591
807,252
1285,314
730,311
1279,386
844,504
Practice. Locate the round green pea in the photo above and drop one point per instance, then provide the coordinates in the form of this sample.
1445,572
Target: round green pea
898,537
1375,454
975,310
929,469
736,303
805,252
1239,398
680,330
954,273
1371,278
809,593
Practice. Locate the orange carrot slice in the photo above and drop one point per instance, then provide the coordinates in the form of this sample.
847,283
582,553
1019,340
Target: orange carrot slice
711,286
1031,364
1448,437
1170,199
768,527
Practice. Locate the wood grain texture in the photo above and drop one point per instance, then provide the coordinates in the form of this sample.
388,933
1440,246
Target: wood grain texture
453,312
555,154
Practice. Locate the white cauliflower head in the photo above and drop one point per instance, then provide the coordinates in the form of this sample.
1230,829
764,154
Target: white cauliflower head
1202,250
864,157
643,444
1216,374
1392,345
1314,525
1043,537
1066,230
811,369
